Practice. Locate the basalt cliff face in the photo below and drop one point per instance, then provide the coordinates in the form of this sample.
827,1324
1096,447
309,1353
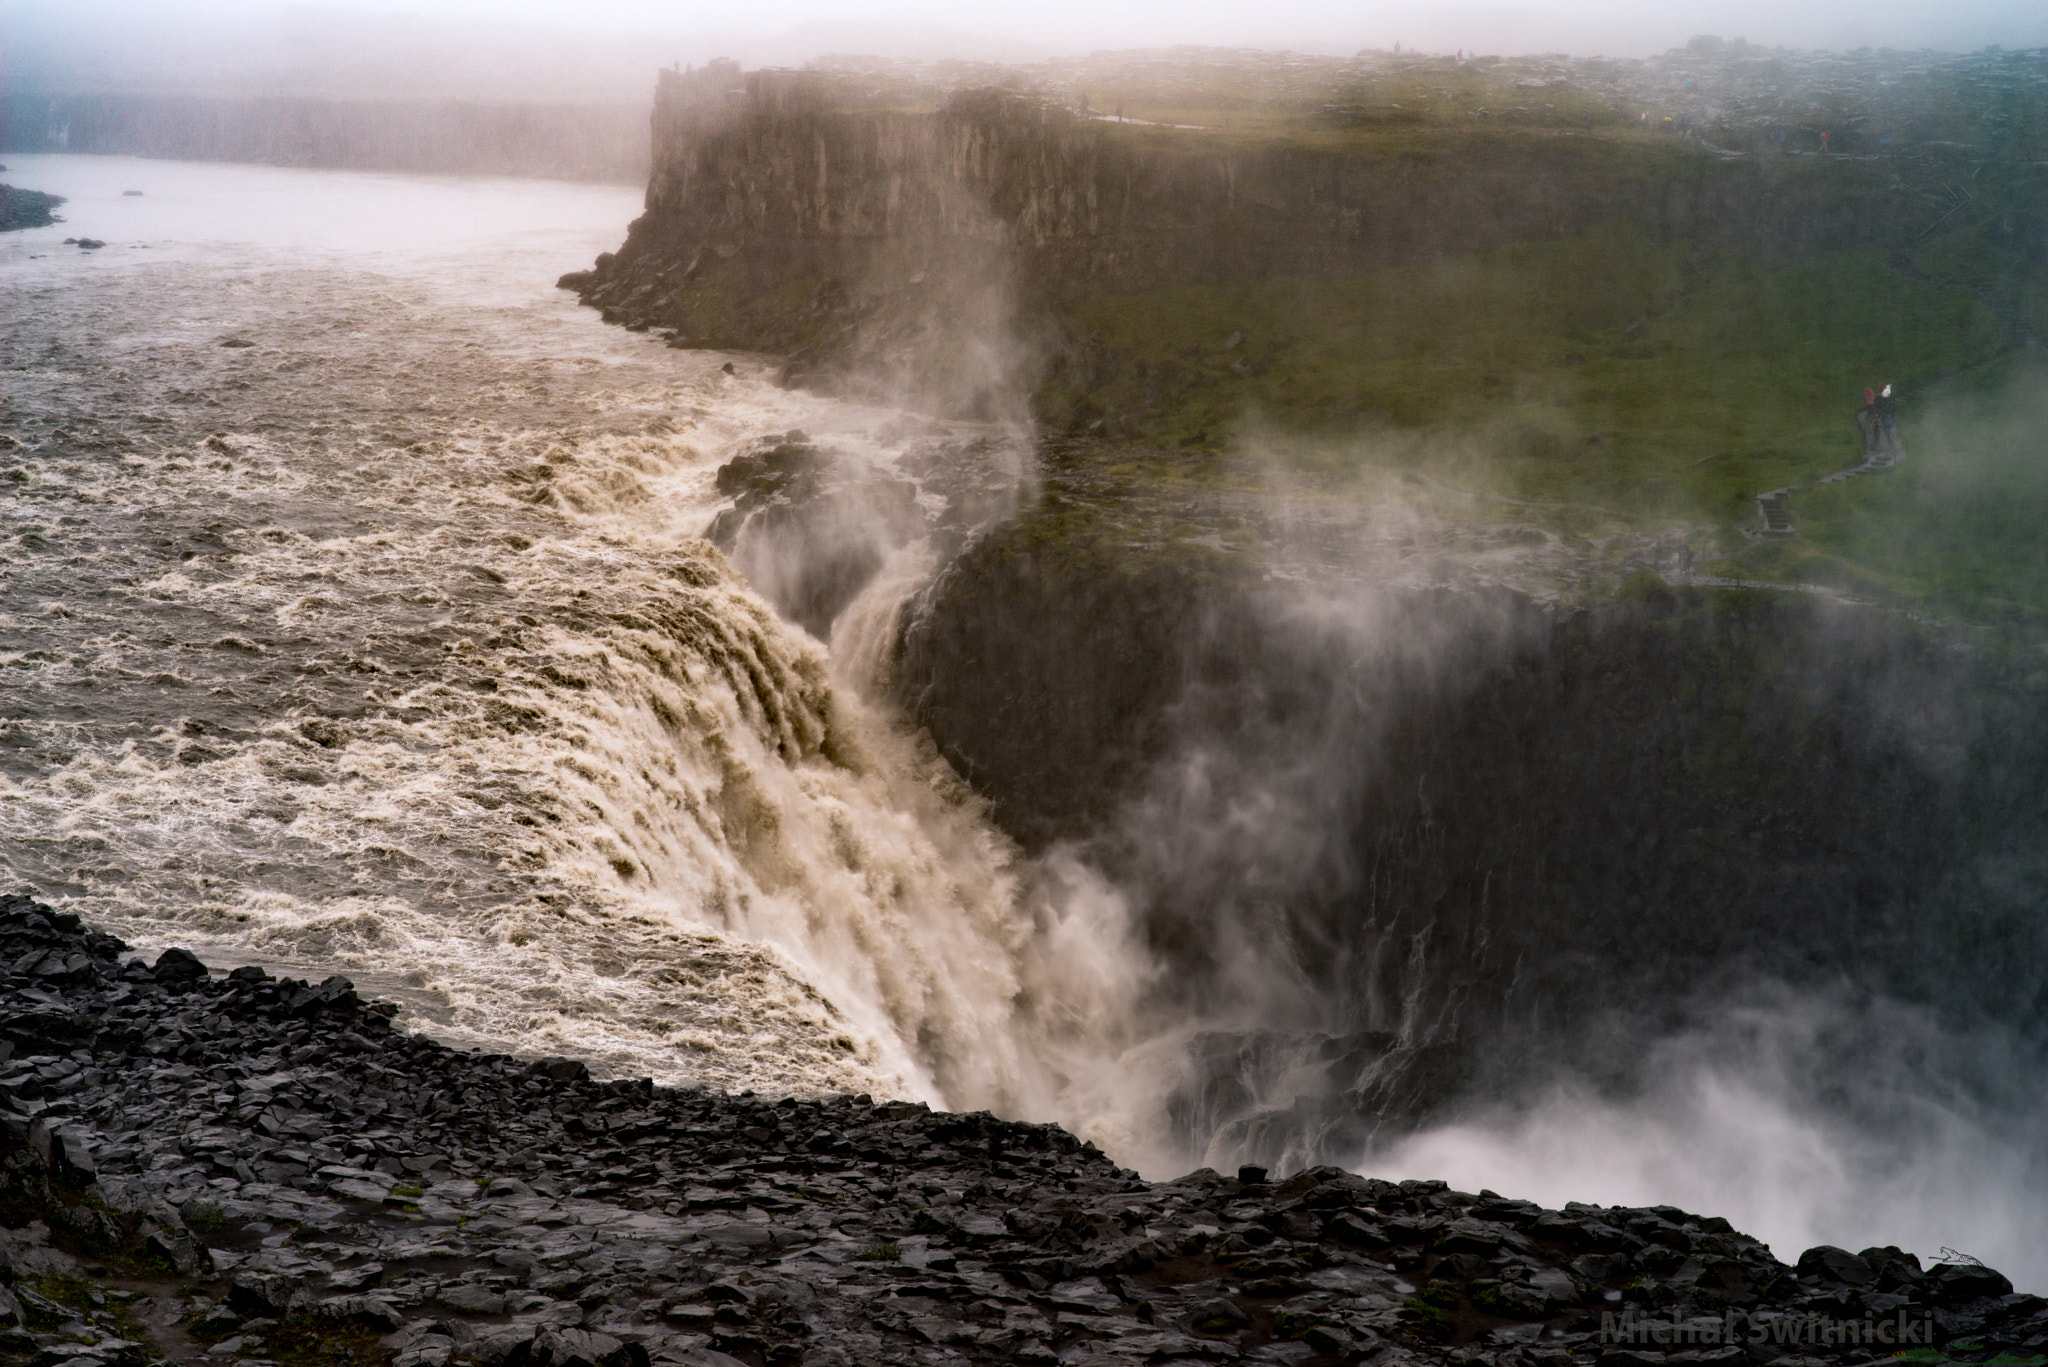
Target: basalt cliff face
929,252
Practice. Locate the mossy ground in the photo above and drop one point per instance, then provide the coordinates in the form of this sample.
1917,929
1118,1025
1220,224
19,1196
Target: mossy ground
1615,381
1618,381
87,1297
1959,526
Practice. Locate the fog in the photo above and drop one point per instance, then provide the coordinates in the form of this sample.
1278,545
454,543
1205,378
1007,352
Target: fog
1267,949
553,50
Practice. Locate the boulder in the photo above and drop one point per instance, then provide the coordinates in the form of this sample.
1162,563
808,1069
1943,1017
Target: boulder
176,965
358,1312
274,1294
1835,1265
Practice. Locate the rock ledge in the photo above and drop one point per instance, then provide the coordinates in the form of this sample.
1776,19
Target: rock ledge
240,1170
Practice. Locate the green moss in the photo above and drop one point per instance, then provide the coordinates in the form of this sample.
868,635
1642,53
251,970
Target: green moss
1956,526
1294,1323
299,1342
205,1218
1427,1314
1607,382
107,1309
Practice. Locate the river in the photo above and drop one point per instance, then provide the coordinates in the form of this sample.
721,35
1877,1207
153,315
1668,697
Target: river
355,617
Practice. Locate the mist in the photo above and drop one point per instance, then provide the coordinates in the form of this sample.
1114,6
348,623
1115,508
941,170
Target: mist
548,51
1298,591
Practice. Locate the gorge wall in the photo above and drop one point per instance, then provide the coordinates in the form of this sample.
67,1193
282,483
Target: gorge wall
1394,848
1472,841
794,212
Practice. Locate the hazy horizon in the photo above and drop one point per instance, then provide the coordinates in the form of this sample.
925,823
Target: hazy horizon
551,50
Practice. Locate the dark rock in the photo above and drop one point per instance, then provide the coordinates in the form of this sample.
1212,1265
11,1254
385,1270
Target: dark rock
474,1300
1358,1233
559,1069
219,1320
1835,1265
274,1294
1955,1283
176,965
26,208
1893,1268
361,1312
583,1348
496,1347
403,1152
1469,1236
1216,1316
359,1278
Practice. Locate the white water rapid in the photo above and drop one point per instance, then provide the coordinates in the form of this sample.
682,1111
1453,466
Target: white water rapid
354,617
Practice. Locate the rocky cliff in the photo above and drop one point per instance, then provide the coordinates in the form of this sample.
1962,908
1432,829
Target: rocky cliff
933,249
1485,838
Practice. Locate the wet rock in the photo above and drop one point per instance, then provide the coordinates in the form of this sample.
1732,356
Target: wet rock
810,527
582,1348
559,1069
26,208
176,965
285,1132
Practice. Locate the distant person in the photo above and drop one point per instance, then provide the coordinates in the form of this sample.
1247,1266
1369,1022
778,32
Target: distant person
1823,141
1887,414
1866,420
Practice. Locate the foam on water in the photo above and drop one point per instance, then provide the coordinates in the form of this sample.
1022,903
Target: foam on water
385,643
353,616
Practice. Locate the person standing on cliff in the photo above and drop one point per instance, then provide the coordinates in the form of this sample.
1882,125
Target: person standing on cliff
1887,416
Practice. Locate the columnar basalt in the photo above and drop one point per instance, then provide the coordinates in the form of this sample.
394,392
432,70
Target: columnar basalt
878,244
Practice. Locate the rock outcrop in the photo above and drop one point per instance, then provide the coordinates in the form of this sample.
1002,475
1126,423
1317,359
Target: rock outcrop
26,208
925,253
237,1169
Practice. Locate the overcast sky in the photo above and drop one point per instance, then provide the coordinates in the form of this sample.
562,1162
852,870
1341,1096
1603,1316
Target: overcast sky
582,49
1604,25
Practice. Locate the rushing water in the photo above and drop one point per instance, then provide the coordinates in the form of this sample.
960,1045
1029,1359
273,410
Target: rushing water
354,616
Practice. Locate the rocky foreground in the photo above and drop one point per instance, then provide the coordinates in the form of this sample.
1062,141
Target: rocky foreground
240,1170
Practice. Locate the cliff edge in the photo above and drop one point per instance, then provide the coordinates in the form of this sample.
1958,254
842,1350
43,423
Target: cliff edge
926,252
